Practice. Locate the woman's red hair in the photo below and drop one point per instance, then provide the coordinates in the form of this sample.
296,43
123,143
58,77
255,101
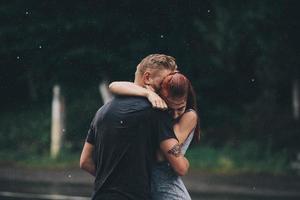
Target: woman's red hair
177,86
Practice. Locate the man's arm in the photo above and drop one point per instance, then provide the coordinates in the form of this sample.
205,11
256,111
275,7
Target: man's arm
86,159
172,151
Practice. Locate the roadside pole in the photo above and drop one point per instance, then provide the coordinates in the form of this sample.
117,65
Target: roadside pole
57,122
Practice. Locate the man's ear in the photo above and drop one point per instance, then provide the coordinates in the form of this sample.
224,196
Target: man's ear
147,78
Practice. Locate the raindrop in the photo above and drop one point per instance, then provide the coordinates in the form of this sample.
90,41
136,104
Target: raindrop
161,36
208,11
18,57
69,176
27,13
254,188
252,79
40,46
63,130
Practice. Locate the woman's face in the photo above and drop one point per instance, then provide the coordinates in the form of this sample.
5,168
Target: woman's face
176,107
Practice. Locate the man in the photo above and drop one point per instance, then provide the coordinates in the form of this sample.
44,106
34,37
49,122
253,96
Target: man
124,136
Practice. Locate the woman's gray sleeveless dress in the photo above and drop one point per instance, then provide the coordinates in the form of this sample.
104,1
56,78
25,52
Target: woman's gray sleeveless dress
165,183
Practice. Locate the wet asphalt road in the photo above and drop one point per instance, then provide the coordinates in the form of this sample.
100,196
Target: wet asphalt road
12,190
74,184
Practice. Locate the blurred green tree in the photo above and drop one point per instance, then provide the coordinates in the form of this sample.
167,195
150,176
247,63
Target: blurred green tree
242,58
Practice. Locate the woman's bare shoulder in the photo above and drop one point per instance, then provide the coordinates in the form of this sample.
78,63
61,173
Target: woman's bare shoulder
190,115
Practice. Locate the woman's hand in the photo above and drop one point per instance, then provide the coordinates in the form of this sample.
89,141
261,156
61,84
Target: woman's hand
155,99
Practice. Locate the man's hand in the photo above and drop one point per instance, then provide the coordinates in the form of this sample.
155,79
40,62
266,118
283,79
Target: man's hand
172,151
155,99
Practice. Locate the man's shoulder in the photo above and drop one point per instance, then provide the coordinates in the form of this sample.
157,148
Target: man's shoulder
162,116
162,113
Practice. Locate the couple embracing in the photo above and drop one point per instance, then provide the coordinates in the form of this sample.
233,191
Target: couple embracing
136,142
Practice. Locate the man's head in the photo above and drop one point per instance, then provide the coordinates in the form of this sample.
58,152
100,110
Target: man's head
153,68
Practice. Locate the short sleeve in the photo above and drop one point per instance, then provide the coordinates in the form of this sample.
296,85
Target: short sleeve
90,138
165,126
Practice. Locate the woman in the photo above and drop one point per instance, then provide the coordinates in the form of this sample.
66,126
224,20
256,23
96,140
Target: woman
177,94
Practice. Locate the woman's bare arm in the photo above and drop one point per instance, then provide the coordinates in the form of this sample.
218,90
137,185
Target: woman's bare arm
182,129
131,89
127,88
185,125
171,149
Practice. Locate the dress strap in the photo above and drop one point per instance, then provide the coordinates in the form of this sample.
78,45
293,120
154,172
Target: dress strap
189,110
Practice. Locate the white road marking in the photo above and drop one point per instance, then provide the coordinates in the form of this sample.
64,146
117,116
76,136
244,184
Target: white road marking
41,196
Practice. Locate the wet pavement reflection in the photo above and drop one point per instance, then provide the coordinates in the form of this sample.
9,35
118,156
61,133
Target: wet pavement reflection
12,190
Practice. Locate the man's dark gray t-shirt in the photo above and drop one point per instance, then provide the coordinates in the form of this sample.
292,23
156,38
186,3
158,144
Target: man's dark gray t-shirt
126,133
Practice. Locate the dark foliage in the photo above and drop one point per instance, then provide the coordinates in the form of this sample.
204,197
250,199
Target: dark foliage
241,56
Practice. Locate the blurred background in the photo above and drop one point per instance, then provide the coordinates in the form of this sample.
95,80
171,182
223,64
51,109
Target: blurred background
242,58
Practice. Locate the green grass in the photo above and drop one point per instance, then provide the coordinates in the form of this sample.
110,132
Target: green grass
37,161
248,158
25,131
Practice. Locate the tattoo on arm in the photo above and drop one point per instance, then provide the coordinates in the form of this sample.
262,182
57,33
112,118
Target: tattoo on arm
175,150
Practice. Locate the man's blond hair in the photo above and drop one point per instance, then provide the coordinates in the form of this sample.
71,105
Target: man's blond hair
156,62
